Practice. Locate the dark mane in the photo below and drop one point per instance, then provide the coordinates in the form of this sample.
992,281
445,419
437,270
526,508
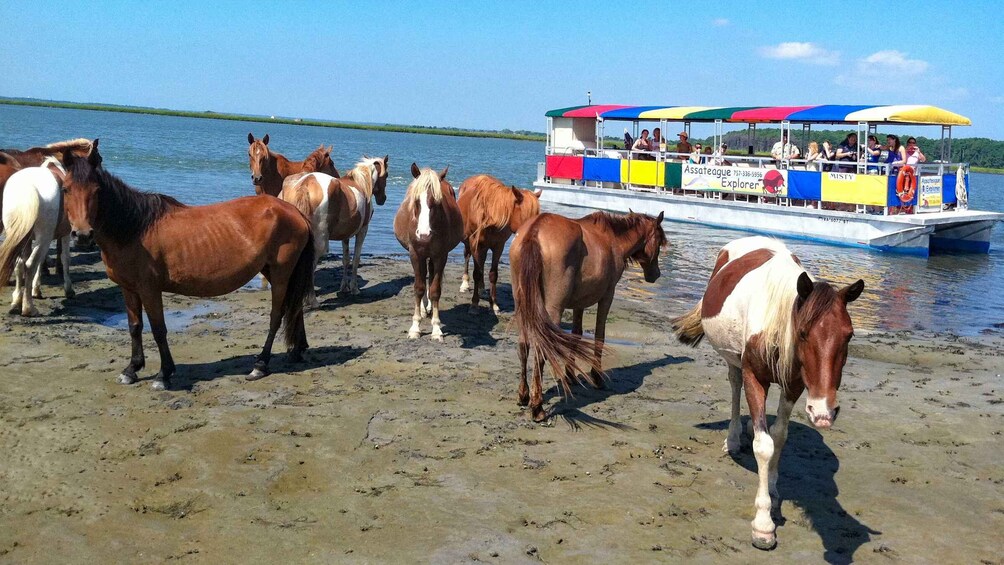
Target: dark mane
623,223
124,213
820,301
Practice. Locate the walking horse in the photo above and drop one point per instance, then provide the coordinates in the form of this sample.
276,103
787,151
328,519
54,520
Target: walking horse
151,244
559,263
773,325
33,211
269,169
492,212
339,209
429,225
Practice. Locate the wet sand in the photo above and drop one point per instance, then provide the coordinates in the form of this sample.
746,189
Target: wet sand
380,449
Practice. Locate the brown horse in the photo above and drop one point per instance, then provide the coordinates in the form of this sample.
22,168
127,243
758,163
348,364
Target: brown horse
11,160
560,263
340,208
492,213
429,225
151,243
269,169
772,324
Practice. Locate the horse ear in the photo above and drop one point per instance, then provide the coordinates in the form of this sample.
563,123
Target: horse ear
804,285
538,192
386,159
94,157
414,170
852,292
630,211
265,139
442,174
250,138
658,219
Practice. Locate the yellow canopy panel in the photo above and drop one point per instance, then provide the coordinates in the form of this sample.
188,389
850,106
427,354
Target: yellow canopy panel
676,113
909,114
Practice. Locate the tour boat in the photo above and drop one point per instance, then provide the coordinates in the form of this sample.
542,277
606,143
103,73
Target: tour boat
877,205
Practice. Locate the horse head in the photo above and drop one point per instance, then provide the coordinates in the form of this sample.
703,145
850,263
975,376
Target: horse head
527,206
80,190
654,239
823,330
258,157
380,186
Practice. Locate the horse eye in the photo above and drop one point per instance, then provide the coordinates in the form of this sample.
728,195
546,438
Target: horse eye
803,335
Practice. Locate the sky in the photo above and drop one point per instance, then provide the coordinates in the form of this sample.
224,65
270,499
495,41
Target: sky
501,65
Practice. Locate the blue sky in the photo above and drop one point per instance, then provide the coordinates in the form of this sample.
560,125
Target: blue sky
497,65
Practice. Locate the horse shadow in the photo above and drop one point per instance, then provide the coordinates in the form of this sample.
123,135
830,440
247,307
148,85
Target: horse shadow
806,474
474,330
186,375
620,380
367,294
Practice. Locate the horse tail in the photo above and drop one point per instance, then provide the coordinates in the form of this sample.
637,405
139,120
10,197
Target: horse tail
300,283
689,327
23,213
301,199
544,337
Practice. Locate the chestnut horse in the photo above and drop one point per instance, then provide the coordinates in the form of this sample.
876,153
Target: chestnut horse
339,209
560,263
429,225
151,243
772,324
492,213
269,169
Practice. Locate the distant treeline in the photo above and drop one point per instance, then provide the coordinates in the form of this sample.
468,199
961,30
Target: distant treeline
521,135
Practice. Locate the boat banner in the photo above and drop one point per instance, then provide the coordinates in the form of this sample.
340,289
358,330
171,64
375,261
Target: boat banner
929,193
745,180
851,188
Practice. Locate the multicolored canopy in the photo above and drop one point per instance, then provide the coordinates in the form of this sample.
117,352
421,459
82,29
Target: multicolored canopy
826,114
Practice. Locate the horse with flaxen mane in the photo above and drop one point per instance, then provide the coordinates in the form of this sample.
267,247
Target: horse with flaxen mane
151,244
269,169
559,263
772,324
429,225
492,212
340,209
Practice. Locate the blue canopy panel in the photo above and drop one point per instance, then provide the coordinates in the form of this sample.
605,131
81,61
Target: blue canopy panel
629,113
827,113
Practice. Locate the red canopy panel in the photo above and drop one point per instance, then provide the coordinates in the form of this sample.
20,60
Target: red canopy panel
591,111
770,114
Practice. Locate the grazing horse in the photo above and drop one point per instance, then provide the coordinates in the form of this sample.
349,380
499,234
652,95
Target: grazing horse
429,225
151,244
269,169
560,263
492,213
339,209
772,324
33,210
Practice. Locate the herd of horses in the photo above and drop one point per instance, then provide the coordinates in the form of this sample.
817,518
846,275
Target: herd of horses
762,312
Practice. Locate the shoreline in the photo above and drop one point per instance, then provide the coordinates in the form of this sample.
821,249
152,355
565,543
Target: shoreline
383,449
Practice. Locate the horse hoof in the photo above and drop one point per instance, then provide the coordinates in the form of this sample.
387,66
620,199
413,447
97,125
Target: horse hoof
70,294
765,543
464,287
124,379
30,313
158,385
523,402
538,414
496,309
437,338
730,447
37,294
257,374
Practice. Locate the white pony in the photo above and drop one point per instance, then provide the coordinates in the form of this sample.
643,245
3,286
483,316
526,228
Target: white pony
33,209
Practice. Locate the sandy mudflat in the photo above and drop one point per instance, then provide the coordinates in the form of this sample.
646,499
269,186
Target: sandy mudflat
381,449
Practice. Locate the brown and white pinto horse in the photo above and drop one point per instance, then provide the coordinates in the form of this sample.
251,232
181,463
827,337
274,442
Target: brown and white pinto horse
339,209
772,324
560,263
492,213
429,225
269,169
151,244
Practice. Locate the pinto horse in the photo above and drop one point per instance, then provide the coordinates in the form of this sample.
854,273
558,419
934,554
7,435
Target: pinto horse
33,210
339,209
492,213
429,225
772,324
269,169
12,160
560,263
151,243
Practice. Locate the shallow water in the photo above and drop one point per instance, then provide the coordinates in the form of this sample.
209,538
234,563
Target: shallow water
202,161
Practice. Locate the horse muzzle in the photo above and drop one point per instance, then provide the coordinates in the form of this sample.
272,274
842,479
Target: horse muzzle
819,415
255,179
652,276
84,239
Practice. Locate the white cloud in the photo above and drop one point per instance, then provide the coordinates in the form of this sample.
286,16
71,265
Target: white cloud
720,22
894,61
885,71
801,51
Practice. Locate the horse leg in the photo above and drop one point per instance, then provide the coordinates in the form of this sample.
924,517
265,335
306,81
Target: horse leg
435,291
493,277
536,390
275,319
345,266
465,282
33,273
602,310
154,304
763,450
134,311
735,426
523,392
60,246
19,281
354,284
576,330
779,434
420,266
479,278
426,303
64,260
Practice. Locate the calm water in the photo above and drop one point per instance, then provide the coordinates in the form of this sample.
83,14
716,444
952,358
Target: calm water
202,161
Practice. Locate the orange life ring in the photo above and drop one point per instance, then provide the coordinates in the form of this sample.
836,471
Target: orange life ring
906,184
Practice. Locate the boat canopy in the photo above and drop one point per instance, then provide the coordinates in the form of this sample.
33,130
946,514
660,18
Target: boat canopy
908,114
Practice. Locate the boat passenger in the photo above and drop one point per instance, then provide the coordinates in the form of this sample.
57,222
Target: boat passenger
643,143
718,157
706,156
658,143
813,157
848,152
872,152
695,155
684,147
828,154
913,153
783,150
895,153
